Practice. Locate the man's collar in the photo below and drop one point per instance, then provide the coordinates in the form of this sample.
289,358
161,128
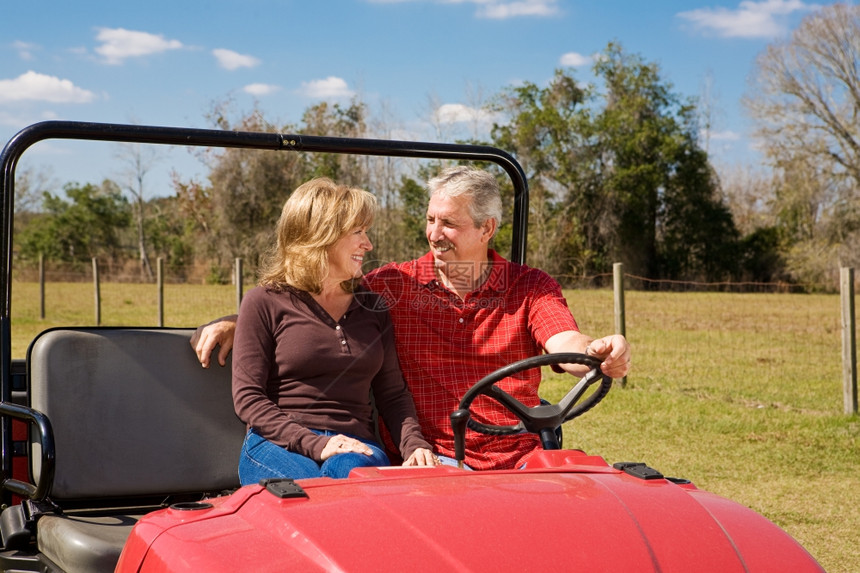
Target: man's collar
498,273
425,271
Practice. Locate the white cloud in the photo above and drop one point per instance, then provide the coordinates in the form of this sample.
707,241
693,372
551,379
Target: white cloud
230,60
497,9
260,89
726,135
402,134
458,113
764,19
24,49
501,10
32,86
330,87
11,120
575,60
119,44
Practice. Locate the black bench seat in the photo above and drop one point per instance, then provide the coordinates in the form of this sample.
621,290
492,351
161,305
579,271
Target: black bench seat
135,420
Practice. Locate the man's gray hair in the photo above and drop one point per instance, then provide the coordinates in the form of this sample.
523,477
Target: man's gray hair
478,185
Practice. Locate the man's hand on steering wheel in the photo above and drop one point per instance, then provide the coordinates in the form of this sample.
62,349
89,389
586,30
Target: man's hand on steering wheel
541,420
613,350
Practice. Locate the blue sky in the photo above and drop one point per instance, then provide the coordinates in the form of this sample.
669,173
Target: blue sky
166,62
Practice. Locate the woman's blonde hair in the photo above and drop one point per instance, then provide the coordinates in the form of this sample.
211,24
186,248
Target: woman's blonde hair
314,217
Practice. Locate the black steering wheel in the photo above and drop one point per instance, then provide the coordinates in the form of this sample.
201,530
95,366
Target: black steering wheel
541,420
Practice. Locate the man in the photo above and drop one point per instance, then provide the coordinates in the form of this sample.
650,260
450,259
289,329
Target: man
462,311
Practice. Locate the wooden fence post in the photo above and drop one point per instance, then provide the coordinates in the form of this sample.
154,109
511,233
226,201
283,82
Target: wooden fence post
618,287
160,281
237,274
97,291
42,286
849,341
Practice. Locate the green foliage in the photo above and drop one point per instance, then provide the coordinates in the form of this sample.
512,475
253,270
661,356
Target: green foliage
324,119
671,223
248,189
238,211
171,236
217,275
617,175
547,130
697,236
762,258
413,198
86,225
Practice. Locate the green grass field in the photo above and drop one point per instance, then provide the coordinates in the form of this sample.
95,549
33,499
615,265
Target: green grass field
740,393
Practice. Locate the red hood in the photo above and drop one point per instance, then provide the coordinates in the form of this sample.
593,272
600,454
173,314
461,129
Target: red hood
587,517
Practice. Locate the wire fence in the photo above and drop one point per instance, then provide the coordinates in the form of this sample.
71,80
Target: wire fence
128,272
224,272
636,282
786,317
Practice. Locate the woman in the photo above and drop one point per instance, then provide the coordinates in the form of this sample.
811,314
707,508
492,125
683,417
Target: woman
311,343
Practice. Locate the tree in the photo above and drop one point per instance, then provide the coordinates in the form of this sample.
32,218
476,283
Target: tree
806,93
30,187
138,160
334,120
87,225
671,222
813,231
548,131
750,195
617,174
806,102
248,189
394,225
413,198
171,233
696,232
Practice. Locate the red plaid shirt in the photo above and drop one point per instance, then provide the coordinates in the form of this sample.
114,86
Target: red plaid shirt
446,344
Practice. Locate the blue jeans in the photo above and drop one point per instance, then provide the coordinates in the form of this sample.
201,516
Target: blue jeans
261,459
446,461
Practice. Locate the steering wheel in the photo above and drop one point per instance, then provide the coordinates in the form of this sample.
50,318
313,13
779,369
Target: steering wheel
541,420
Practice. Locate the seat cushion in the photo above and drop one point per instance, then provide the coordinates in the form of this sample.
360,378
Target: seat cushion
133,413
84,544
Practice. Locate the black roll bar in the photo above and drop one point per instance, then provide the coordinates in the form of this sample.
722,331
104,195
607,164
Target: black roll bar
42,426
123,133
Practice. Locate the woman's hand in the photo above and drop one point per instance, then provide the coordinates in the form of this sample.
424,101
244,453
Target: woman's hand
218,332
341,444
422,457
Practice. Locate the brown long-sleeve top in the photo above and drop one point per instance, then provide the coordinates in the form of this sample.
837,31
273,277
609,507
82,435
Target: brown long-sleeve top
296,368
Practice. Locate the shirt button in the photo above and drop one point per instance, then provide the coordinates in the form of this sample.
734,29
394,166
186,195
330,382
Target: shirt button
461,321
343,341
337,327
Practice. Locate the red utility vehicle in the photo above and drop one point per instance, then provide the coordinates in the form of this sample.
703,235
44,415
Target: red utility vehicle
130,458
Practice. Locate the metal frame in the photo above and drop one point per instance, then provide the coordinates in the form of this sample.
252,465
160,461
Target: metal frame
210,138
